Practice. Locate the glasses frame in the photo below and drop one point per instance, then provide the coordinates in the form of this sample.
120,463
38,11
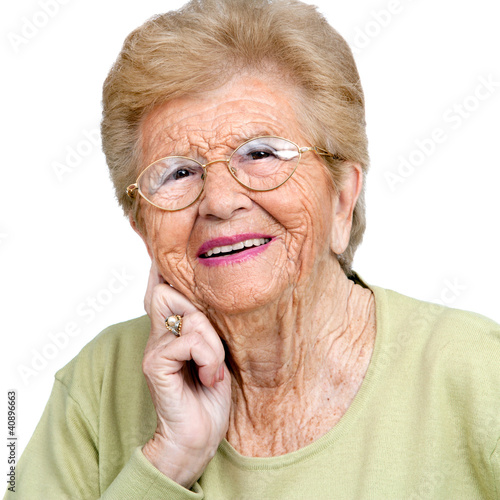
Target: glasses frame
133,189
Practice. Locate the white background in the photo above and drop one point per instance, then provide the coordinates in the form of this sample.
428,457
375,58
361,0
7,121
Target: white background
434,236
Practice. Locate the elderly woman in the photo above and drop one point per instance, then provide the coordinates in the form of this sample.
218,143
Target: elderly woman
265,367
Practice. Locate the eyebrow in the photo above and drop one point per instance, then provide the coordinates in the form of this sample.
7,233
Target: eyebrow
245,136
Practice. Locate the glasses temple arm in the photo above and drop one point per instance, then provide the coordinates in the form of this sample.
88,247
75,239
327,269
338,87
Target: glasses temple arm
321,152
132,190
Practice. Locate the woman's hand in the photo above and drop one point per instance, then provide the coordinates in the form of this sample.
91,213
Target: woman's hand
189,384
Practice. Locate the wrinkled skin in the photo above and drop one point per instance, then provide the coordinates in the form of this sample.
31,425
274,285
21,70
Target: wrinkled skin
298,334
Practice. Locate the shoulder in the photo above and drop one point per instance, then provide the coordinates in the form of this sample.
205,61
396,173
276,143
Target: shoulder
451,355
459,350
436,325
115,354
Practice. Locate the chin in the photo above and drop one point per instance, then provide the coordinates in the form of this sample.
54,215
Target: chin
245,297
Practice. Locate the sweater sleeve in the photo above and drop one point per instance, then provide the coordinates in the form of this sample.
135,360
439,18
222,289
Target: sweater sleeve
61,462
495,465
61,459
139,479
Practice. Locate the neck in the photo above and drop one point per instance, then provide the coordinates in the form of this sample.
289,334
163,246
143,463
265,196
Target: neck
297,363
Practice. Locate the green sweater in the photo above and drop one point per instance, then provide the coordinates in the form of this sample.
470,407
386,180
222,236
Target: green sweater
424,424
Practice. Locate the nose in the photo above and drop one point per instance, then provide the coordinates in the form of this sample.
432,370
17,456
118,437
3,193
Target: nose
223,196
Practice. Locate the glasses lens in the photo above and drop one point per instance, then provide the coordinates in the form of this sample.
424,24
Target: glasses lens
264,163
172,183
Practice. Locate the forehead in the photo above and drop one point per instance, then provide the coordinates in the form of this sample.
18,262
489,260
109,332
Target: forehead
221,119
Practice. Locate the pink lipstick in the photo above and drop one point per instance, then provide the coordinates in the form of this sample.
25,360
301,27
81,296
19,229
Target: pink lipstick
232,249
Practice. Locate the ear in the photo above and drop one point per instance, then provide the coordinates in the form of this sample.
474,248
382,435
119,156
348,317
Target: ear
143,236
343,208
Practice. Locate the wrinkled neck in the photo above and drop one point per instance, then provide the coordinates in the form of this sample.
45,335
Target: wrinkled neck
266,347
296,366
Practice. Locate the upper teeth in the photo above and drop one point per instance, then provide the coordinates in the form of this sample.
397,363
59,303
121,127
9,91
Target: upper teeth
255,242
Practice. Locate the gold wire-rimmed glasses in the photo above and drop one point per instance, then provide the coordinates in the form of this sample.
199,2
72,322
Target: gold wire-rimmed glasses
260,164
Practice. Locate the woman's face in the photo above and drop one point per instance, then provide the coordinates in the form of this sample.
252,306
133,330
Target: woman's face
294,221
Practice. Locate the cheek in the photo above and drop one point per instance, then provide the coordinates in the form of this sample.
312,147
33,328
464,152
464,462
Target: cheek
304,208
168,238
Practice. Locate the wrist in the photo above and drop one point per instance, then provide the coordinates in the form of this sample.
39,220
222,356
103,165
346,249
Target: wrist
181,465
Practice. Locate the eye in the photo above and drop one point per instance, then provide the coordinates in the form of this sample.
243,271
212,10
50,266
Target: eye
265,150
259,155
180,174
257,151
178,169
172,173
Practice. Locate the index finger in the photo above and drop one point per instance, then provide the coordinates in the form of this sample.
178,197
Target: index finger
155,278
162,300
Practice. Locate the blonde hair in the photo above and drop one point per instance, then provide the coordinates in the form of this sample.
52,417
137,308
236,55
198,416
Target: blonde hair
204,44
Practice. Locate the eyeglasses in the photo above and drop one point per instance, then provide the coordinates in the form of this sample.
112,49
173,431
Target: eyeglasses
260,164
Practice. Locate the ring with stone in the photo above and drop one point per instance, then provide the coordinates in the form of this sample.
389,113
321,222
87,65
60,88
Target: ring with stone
174,324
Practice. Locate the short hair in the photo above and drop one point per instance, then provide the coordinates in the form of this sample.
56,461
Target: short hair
205,43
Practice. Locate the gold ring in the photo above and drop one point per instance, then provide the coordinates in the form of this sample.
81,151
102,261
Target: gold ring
174,324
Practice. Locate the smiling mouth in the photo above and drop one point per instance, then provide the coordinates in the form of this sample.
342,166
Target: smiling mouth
235,248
